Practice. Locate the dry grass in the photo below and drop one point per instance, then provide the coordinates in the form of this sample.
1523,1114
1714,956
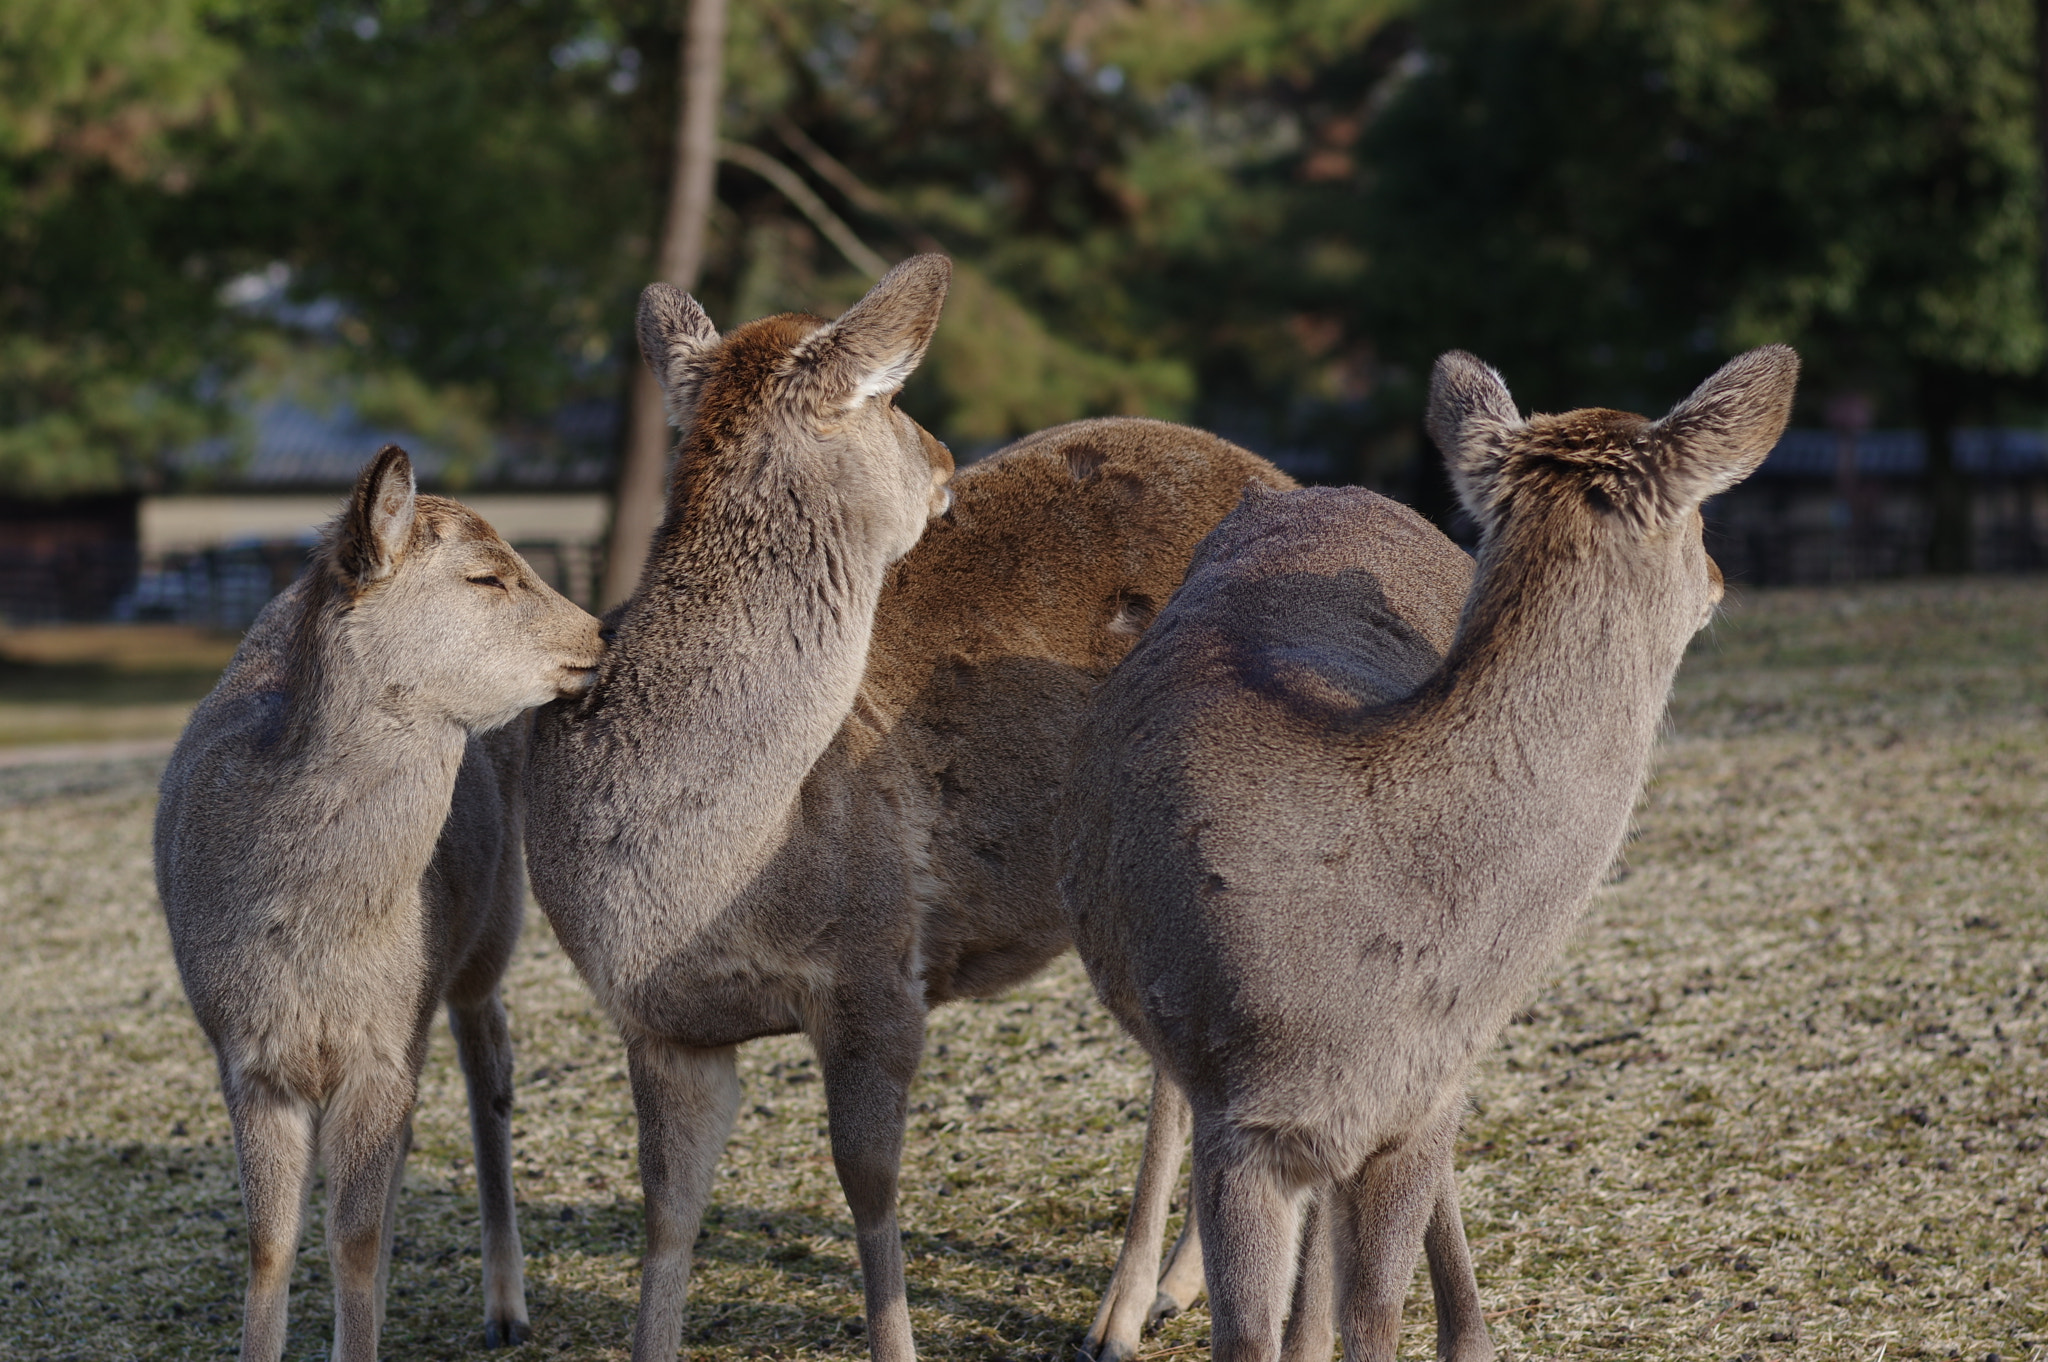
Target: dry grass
1784,1098
79,683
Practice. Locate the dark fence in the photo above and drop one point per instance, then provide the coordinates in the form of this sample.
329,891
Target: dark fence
68,560
1823,508
220,588
1831,508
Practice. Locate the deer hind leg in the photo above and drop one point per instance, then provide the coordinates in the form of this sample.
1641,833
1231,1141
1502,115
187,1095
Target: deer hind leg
390,1231
274,1155
1311,1333
1181,1284
1131,1302
364,1136
483,1043
684,1099
868,1050
1379,1216
1461,1333
1251,1224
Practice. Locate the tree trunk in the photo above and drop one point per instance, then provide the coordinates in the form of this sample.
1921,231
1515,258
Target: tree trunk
2041,129
643,465
1949,539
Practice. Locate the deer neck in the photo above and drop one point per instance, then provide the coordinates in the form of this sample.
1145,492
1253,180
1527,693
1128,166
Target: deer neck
1556,684
746,646
365,761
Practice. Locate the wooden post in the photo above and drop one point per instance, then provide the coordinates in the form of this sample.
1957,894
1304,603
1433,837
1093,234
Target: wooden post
643,465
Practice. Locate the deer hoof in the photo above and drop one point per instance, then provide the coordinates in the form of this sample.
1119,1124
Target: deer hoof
506,1333
1163,1307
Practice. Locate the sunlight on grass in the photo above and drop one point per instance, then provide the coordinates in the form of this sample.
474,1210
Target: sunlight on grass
1784,1098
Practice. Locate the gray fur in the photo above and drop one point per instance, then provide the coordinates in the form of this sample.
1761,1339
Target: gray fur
813,787
338,853
665,806
1356,562
1315,907
675,336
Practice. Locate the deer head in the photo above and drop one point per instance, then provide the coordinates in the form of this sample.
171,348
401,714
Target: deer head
441,612
1598,478
817,395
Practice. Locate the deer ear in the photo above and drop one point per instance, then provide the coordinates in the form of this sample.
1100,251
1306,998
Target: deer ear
876,344
1717,437
378,523
675,340
1470,417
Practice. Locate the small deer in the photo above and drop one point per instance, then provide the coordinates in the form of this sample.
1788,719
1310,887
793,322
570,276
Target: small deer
812,790
1315,908
338,854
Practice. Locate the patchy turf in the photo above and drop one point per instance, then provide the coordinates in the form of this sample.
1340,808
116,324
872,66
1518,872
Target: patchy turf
1784,1097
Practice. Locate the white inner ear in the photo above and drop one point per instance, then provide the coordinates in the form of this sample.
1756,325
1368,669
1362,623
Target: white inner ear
391,522
888,379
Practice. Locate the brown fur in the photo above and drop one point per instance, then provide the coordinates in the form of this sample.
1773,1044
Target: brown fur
813,787
337,851
1315,906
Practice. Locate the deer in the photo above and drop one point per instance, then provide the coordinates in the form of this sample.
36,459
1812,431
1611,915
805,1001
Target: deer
812,788
1358,560
338,854
1313,906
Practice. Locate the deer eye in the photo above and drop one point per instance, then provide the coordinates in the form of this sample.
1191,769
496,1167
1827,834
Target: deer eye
488,579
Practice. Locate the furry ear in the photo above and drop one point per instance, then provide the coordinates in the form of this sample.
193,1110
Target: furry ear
1717,437
876,344
1470,416
377,525
675,340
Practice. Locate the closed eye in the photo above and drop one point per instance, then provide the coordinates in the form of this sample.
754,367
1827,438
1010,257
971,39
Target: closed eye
488,579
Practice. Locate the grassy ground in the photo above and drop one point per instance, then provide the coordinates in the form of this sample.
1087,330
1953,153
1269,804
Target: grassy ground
99,683
1783,1099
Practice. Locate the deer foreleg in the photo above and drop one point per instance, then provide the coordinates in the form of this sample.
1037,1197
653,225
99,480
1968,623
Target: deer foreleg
274,1156
685,1100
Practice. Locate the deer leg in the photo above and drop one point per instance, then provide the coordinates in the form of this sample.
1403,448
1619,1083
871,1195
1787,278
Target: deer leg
1181,1283
483,1044
390,1222
1379,1215
1133,1287
868,1051
1311,1335
1250,1230
685,1100
274,1155
1461,1333
363,1137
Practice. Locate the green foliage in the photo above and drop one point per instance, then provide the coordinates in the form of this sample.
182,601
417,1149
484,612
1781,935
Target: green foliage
1590,191
1262,215
105,113
1113,179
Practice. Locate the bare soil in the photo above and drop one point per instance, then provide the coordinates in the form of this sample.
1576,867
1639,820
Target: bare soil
1784,1097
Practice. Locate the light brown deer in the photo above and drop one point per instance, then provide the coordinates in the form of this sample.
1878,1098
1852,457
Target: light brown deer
338,854
813,788
1315,908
